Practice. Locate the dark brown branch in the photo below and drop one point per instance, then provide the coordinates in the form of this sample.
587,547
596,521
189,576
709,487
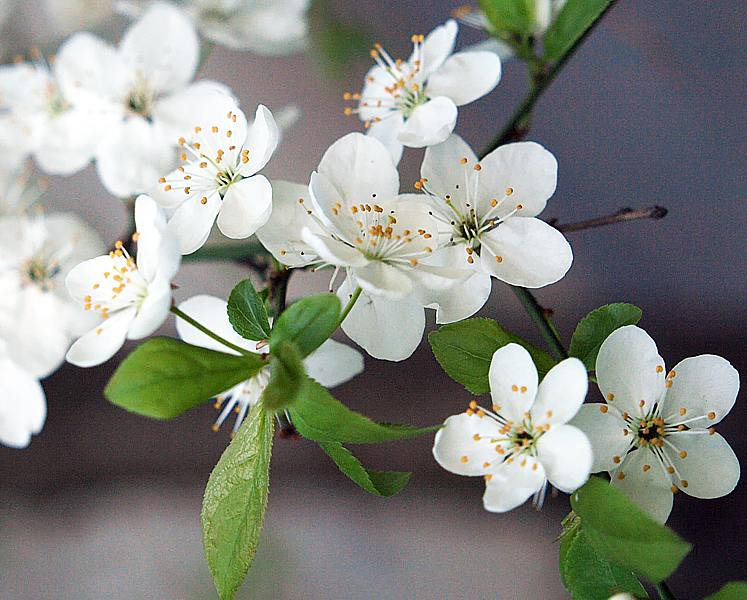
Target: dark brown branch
621,216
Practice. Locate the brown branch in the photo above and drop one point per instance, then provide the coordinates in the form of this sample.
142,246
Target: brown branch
621,216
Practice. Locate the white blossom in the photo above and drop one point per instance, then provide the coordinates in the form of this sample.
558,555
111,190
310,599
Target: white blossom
524,441
23,406
218,178
655,432
331,364
414,103
132,297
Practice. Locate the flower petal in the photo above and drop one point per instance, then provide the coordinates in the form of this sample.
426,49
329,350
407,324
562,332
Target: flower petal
705,385
437,47
630,371
513,483
513,381
23,406
526,252
430,123
153,311
386,329
709,467
261,140
70,140
333,251
646,483
387,132
333,363
445,170
212,313
466,76
246,207
380,279
561,393
193,220
566,455
463,445
607,433
103,342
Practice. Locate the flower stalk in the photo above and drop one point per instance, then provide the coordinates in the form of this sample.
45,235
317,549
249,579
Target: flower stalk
197,325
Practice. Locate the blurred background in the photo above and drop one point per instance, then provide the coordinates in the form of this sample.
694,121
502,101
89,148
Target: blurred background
651,110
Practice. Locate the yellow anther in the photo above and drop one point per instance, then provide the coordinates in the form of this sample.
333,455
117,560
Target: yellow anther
464,459
711,415
683,454
603,408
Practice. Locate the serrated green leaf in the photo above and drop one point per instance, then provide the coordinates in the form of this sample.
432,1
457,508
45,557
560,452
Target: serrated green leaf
288,375
624,535
320,417
247,312
379,483
464,350
514,16
587,575
572,21
165,377
233,507
307,323
734,590
596,327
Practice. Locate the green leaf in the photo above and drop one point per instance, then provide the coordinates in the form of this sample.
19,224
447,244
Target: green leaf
734,590
464,350
574,19
307,323
515,16
165,377
337,44
320,417
288,375
623,534
247,313
233,507
596,327
379,483
587,575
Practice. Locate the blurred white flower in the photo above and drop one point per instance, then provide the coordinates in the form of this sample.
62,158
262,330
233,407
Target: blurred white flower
414,103
523,442
488,209
38,320
655,433
270,27
19,189
133,297
331,364
218,179
23,406
144,85
67,16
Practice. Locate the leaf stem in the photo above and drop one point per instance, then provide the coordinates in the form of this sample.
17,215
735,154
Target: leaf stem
349,306
185,317
542,319
664,592
621,216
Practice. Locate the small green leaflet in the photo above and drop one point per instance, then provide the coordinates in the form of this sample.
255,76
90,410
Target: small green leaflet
734,590
165,377
623,534
379,483
464,350
572,21
247,313
596,327
514,16
288,375
318,416
307,323
235,500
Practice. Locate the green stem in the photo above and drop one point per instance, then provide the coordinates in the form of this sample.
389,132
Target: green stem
278,287
542,320
185,317
349,305
664,592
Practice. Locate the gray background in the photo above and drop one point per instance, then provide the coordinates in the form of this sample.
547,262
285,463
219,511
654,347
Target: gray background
105,504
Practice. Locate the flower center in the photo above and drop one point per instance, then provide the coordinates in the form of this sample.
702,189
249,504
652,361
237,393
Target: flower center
141,97
40,273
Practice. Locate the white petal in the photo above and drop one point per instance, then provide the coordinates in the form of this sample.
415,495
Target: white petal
212,313
513,483
147,214
566,455
23,407
513,381
498,47
385,281
193,220
645,483
710,467
387,132
333,363
246,207
527,169
177,114
69,141
445,171
705,385
281,235
103,342
153,311
630,371
82,277
438,45
163,45
333,251
463,445
261,141
430,123
386,329
526,252
607,433
561,393
466,76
